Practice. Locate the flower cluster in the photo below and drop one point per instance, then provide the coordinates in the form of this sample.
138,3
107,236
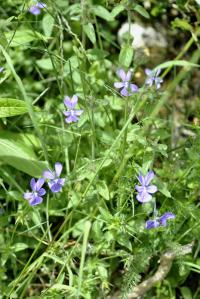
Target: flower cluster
128,88
153,78
36,9
161,221
145,190
72,114
144,194
54,181
35,197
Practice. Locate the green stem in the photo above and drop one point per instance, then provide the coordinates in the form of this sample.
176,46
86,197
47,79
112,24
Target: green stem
83,22
183,51
134,110
90,116
125,132
137,107
47,218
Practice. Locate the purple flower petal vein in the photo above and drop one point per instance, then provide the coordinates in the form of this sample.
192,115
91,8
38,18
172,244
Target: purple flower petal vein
145,190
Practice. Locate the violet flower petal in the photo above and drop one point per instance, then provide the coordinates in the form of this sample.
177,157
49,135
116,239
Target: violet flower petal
121,73
74,99
39,183
35,10
41,192
41,5
33,184
55,187
152,224
128,76
118,84
148,72
149,81
61,182
36,201
78,112
71,103
152,189
67,113
133,87
158,85
28,195
58,168
141,179
143,197
67,102
71,119
165,217
157,72
149,177
139,188
48,175
124,92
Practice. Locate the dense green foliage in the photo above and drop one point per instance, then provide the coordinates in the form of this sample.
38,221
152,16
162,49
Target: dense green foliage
89,240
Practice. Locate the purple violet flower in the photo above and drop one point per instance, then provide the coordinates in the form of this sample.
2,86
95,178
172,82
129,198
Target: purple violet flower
165,217
55,182
36,9
127,88
153,77
162,221
145,190
1,69
152,224
72,113
35,197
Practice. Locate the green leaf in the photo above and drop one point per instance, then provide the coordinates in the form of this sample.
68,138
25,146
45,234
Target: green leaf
60,287
103,272
106,215
183,24
171,63
47,24
95,54
186,293
45,64
102,12
22,37
90,32
103,190
11,107
19,155
19,247
116,10
30,140
124,241
162,187
3,39
126,55
140,9
73,61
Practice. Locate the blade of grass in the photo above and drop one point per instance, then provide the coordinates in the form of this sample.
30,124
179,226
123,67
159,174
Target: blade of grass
83,254
16,281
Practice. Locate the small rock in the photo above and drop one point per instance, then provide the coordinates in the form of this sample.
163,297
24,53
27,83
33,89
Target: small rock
148,43
143,36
